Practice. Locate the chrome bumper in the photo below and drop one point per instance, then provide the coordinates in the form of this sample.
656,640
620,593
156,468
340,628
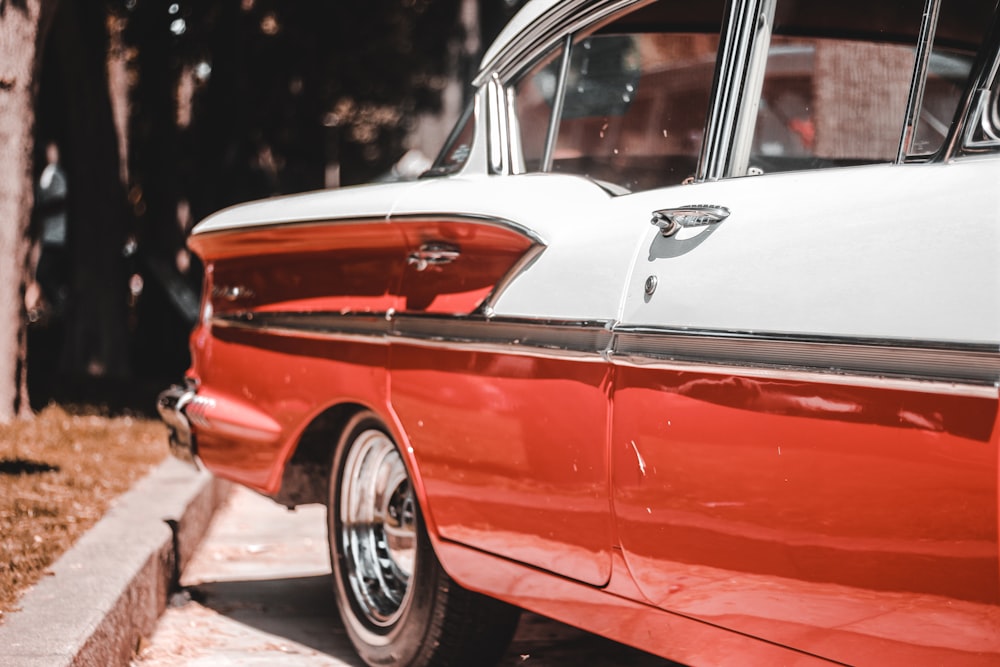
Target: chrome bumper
170,405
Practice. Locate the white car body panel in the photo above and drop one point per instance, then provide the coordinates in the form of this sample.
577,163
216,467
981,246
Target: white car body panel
583,269
355,202
782,252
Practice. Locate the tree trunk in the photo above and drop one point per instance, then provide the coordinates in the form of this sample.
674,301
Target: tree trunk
96,344
23,26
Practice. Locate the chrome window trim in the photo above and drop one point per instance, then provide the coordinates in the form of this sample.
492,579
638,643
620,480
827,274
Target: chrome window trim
514,145
745,35
562,25
983,104
747,44
536,39
918,79
468,114
498,128
557,105
974,110
918,365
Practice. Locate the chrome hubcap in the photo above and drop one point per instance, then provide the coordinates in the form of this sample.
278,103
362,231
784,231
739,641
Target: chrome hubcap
378,527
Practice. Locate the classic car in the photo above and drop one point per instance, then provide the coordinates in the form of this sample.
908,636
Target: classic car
690,338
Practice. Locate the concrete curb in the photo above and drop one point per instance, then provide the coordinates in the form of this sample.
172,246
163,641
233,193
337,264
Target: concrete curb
109,589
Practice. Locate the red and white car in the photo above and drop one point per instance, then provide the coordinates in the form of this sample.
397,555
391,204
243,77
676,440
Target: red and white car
761,430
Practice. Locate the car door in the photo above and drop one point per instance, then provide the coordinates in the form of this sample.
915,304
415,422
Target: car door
804,441
506,412
507,406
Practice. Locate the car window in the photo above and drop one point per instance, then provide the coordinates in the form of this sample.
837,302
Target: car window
947,78
961,30
837,83
828,102
632,106
636,107
457,147
533,97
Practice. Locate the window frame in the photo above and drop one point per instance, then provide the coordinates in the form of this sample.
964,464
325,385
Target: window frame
737,85
981,109
567,39
439,168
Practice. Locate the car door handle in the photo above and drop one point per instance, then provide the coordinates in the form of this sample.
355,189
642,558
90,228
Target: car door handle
670,220
434,253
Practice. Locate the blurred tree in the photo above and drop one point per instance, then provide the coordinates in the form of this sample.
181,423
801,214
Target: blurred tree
23,28
76,112
241,99
228,101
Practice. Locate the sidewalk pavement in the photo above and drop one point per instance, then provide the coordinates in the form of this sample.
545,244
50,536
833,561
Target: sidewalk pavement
106,593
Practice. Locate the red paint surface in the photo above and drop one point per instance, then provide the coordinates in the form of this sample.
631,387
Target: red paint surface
837,520
290,379
357,267
486,254
339,267
855,523
644,626
512,453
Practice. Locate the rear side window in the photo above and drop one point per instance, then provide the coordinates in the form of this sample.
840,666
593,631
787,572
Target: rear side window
533,99
626,103
635,108
457,147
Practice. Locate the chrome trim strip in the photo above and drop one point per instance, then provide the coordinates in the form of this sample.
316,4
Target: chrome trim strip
519,267
914,364
751,69
781,373
298,222
557,105
918,81
500,122
974,105
555,339
500,223
538,37
926,361
739,46
514,154
587,337
979,109
369,327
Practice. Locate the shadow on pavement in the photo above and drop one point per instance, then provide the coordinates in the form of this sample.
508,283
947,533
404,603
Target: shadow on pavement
302,610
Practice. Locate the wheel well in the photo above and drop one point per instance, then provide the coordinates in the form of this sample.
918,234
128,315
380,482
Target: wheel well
307,474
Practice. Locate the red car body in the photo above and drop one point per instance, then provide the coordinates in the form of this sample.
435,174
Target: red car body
712,494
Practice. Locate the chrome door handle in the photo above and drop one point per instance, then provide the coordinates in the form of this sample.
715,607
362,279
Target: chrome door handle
433,254
670,220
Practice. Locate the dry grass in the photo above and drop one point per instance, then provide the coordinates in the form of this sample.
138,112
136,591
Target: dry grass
58,474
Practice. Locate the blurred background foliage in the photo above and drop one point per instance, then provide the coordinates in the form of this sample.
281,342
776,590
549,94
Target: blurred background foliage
159,112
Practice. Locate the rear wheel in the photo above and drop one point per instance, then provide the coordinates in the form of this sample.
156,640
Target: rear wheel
396,601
